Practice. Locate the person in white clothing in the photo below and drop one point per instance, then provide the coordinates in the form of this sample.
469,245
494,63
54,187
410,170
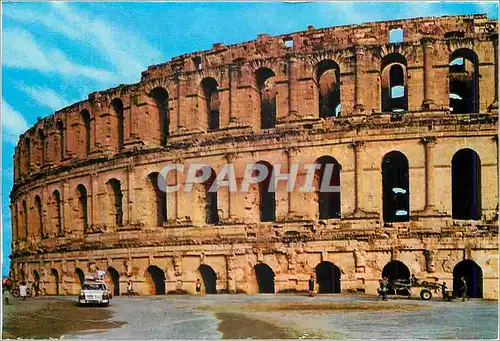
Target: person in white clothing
23,290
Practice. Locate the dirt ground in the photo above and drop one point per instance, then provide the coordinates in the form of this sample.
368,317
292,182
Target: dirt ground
44,317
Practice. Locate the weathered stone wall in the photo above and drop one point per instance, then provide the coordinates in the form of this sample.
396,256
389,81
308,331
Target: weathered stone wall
79,147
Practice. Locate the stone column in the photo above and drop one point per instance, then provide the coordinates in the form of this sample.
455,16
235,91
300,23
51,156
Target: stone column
65,208
180,98
94,203
293,196
494,39
292,86
231,202
131,196
233,69
358,147
429,144
428,49
359,71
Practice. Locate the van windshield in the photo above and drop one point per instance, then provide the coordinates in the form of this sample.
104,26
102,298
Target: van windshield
93,286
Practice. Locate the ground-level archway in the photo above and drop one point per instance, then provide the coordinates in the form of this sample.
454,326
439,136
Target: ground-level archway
396,270
54,282
265,278
36,276
80,276
155,279
328,278
473,277
114,279
209,277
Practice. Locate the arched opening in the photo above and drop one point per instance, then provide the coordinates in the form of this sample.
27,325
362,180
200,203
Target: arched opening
160,96
328,175
396,188
155,279
25,219
39,211
115,192
466,185
82,201
27,156
80,276
54,281
41,141
328,278
160,197
396,270
464,82
267,94
209,277
394,83
85,120
267,198
57,212
114,278
36,276
212,102
211,210
60,131
473,275
265,278
117,106
327,79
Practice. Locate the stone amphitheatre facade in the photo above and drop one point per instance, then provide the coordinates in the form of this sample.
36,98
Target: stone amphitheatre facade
406,111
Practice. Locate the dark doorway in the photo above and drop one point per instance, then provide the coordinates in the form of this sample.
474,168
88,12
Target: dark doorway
328,202
36,276
267,92
396,187
209,279
464,82
396,270
466,185
265,278
81,275
160,96
211,209
115,279
267,202
473,276
160,197
328,82
55,278
328,278
157,277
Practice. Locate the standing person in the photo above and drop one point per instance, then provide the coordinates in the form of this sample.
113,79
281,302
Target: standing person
311,286
130,290
23,290
463,288
36,288
198,286
384,288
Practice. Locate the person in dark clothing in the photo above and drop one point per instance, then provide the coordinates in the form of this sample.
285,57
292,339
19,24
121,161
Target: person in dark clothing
198,286
384,287
311,286
36,288
463,288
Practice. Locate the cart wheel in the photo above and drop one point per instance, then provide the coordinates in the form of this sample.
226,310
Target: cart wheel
15,293
425,294
425,283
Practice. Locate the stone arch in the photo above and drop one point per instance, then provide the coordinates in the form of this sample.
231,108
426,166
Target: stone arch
82,206
161,97
395,187
79,276
210,89
113,279
328,278
41,146
329,205
327,80
265,79
56,197
36,275
464,81
209,277
473,275
466,185
155,280
211,205
265,278
53,282
394,83
39,215
85,134
114,191
117,107
396,270
155,183
267,195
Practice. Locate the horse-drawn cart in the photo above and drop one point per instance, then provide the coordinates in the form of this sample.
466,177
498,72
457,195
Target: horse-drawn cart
426,288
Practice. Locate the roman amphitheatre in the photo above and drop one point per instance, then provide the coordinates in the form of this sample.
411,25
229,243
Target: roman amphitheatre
405,110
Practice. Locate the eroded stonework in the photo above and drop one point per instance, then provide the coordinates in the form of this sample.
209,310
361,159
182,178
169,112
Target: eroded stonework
84,191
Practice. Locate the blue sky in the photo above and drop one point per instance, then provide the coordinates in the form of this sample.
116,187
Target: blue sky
55,54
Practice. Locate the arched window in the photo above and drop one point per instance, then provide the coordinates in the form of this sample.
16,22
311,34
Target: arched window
267,94
117,106
85,120
27,155
60,131
25,219
38,207
464,83
327,78
466,185
328,199
57,212
115,191
212,103
160,96
267,199
41,141
394,83
395,187
160,198
82,200
211,211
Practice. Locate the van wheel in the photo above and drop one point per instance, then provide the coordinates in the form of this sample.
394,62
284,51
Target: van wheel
425,295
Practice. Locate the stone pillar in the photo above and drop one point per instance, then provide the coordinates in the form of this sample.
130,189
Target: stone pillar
292,86
428,102
233,70
231,202
131,196
494,39
65,208
94,203
359,71
358,147
429,144
293,196
180,96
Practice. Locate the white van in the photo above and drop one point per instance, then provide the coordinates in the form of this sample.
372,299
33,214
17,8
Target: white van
95,292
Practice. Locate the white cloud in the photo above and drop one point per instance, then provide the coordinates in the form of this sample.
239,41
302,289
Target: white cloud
13,124
45,96
25,53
